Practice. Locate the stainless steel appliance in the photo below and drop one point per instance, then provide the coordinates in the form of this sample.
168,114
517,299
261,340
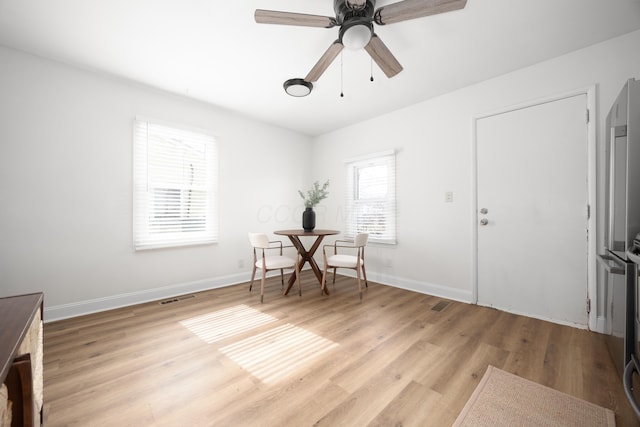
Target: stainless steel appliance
633,366
622,225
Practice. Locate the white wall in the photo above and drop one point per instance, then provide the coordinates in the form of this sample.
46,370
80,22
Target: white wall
66,188
65,179
434,144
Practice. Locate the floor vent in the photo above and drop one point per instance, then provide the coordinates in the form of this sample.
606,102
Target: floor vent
440,306
176,299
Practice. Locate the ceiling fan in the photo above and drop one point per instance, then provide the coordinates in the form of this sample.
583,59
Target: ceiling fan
355,19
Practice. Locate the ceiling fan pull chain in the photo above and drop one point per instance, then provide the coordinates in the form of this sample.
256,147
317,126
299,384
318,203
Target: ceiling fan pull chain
341,75
371,62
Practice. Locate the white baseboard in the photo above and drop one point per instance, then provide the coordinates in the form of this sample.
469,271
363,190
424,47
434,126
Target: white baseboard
416,286
547,319
601,325
80,308
96,305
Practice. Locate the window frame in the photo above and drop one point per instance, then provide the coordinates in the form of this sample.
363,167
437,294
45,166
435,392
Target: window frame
386,203
149,184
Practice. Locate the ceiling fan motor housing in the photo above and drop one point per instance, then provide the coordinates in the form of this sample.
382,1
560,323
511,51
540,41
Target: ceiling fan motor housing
345,13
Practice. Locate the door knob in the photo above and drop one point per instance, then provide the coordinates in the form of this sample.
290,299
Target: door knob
484,221
484,211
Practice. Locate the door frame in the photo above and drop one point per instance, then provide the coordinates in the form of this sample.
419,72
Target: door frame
596,315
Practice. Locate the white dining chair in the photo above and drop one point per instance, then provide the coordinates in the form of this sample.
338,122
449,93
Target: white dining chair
262,247
346,254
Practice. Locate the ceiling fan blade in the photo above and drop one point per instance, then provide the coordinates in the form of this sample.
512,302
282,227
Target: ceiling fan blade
290,18
325,60
412,9
383,56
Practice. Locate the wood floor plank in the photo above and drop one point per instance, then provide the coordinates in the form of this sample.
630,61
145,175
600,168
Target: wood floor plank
413,406
395,357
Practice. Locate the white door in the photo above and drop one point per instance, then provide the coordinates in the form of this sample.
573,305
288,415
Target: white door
532,182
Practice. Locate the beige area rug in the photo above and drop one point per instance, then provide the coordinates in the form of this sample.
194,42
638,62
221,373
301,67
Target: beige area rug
504,399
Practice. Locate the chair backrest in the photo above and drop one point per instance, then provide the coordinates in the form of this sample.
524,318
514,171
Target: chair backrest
259,240
361,239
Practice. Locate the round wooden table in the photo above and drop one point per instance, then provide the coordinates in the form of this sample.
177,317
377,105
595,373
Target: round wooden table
307,255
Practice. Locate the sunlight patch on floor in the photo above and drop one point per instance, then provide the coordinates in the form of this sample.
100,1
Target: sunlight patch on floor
274,354
221,324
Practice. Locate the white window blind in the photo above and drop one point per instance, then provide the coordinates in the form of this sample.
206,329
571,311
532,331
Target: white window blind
371,197
175,186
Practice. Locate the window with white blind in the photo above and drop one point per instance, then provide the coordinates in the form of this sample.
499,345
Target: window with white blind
371,197
175,187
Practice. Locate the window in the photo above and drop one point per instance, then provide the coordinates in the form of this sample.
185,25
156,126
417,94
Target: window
371,197
175,177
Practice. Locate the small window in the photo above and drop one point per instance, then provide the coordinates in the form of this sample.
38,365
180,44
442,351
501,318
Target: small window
175,183
371,203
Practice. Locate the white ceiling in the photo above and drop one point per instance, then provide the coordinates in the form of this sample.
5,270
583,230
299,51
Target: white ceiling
215,52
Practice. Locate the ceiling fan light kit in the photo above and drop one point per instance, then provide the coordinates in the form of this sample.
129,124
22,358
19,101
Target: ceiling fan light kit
356,34
355,19
297,87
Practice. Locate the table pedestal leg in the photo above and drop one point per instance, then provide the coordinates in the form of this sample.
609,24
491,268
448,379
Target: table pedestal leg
307,256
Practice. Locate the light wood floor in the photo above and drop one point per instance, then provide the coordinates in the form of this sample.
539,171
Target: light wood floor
391,360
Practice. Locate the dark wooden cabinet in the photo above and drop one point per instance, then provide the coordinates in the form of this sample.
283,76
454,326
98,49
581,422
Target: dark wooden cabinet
21,358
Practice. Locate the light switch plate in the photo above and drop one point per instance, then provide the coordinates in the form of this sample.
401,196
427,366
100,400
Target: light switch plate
448,197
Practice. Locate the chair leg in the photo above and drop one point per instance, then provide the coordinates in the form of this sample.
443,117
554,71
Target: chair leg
262,286
282,278
298,279
253,276
323,285
359,282
364,273
334,276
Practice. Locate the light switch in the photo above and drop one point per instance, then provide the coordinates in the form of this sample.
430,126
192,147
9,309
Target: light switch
448,197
